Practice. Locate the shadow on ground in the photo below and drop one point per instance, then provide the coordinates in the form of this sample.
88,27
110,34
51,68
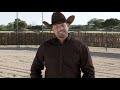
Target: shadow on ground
97,54
20,48
105,54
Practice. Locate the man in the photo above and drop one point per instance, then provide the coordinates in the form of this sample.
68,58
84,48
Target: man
62,56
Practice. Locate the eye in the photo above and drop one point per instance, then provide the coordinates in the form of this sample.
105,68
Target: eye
62,25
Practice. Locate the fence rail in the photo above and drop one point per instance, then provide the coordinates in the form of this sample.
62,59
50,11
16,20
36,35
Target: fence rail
91,39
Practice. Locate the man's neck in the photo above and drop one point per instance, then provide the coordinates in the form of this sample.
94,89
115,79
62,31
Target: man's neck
62,41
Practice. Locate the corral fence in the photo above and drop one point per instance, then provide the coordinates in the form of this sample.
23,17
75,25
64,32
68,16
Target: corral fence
111,40
33,36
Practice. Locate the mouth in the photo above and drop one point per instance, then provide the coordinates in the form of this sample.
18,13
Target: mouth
61,32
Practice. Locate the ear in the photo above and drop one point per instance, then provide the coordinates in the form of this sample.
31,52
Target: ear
52,28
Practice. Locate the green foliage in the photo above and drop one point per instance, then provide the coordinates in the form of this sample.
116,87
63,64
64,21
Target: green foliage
110,23
10,26
21,24
93,24
96,23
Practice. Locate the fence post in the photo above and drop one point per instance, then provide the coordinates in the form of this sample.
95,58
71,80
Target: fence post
106,41
85,37
17,32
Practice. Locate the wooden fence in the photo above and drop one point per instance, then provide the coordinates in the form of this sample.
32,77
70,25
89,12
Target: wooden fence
91,39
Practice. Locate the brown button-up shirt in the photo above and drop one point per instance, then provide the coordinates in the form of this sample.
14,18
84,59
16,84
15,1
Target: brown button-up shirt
63,60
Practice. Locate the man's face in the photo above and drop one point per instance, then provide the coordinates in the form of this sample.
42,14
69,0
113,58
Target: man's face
61,30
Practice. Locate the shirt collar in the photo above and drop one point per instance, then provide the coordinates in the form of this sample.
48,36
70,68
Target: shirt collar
57,41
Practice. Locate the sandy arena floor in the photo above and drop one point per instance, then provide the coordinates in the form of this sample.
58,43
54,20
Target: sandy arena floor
16,62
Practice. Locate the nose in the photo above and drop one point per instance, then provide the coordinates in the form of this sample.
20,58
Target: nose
60,28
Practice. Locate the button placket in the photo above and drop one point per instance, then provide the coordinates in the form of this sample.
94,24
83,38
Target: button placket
61,61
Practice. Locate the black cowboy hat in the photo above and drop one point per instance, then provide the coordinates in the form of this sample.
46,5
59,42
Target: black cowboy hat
58,18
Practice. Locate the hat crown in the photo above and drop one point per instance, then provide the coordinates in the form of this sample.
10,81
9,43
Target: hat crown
57,18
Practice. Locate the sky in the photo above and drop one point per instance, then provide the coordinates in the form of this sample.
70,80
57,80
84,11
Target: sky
35,18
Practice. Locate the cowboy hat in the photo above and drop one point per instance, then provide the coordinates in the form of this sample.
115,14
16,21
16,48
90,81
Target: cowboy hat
58,18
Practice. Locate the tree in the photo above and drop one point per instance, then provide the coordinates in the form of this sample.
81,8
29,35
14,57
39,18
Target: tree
2,27
10,26
21,24
96,23
92,21
110,23
16,22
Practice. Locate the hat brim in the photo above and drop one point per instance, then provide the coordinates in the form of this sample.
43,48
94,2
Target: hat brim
69,20
47,24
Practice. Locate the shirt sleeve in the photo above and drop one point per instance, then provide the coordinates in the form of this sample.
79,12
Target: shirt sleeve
38,63
86,63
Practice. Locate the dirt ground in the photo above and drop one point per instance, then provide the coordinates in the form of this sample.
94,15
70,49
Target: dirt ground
15,61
